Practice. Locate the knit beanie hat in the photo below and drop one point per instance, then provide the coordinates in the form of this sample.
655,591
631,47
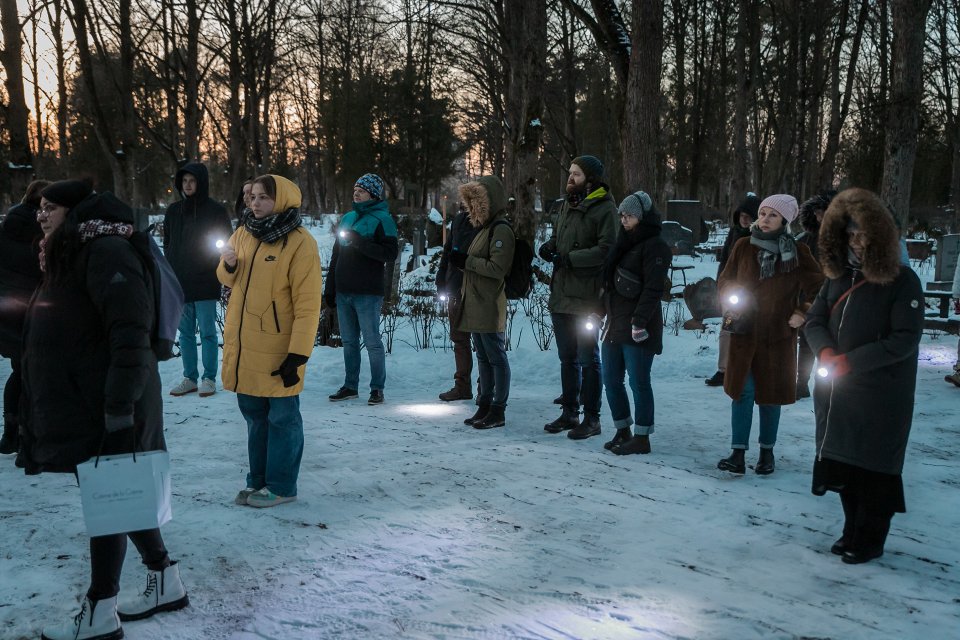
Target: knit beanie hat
372,184
636,205
591,166
785,205
750,206
67,193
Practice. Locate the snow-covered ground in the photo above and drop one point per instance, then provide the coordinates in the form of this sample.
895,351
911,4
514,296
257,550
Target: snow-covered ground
411,525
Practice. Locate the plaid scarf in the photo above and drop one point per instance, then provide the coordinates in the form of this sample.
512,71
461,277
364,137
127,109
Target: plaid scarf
88,231
778,246
272,228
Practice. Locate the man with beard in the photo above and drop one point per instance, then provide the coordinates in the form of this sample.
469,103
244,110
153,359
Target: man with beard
585,229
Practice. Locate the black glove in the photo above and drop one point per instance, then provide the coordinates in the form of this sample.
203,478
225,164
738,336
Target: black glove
441,281
560,261
120,434
351,237
288,369
330,300
546,251
458,259
114,424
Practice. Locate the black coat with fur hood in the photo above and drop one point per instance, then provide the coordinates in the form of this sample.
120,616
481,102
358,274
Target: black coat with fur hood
864,417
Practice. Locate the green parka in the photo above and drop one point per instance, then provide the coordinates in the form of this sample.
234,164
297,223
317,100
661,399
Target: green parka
484,303
584,234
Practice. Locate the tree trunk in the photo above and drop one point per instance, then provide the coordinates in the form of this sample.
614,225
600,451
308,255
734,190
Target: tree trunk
17,115
641,117
56,35
740,182
191,85
524,46
906,91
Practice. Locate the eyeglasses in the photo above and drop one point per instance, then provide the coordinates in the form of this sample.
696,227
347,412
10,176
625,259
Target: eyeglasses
47,209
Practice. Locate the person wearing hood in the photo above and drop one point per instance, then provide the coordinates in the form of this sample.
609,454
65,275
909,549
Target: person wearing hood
811,215
865,327
91,385
191,229
449,283
740,221
483,299
586,228
20,235
366,243
272,265
760,293
633,283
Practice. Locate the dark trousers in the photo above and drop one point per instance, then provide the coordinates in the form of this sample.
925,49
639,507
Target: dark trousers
462,351
804,361
864,528
12,389
106,559
579,352
494,369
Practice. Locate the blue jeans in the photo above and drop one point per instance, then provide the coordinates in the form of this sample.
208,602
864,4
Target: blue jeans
202,313
494,368
359,315
741,419
579,352
274,442
619,359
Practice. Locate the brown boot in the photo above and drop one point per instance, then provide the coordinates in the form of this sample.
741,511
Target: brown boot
458,392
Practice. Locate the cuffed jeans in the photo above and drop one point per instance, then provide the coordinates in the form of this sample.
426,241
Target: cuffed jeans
359,315
741,418
107,554
579,353
494,369
274,442
620,359
202,314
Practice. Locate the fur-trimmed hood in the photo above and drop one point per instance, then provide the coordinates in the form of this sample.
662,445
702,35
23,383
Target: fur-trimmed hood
484,199
808,216
881,256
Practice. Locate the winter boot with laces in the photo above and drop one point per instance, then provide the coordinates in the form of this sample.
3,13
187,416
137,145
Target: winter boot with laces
494,418
733,464
621,436
636,444
482,410
589,426
10,441
954,378
164,592
569,419
97,620
458,392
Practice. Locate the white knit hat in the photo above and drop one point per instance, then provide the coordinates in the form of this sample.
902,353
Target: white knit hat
784,204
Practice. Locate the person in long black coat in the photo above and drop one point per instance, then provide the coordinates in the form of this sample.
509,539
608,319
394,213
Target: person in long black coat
19,275
91,384
635,273
865,327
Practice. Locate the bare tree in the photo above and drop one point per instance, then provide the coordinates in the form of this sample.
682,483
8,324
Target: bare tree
15,111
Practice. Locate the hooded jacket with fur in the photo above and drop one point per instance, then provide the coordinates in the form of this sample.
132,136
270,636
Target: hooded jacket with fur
864,417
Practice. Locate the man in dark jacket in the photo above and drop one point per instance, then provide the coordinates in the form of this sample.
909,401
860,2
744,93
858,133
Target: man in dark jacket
449,282
586,228
20,274
191,230
366,242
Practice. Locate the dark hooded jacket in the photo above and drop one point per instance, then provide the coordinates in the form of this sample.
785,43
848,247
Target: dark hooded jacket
749,206
86,352
643,255
864,417
19,273
484,301
461,234
191,229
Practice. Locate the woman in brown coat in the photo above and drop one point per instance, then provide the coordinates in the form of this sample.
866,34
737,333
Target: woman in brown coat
765,276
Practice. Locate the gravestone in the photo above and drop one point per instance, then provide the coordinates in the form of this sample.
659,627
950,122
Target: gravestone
948,250
689,213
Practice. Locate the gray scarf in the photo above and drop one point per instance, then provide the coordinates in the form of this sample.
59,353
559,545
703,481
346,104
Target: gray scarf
773,246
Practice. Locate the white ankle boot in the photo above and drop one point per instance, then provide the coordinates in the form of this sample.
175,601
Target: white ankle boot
97,620
164,592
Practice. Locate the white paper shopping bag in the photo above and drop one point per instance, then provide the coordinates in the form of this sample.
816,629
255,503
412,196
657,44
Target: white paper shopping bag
124,493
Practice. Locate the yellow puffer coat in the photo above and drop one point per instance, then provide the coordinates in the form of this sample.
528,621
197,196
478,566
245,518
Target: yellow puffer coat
274,307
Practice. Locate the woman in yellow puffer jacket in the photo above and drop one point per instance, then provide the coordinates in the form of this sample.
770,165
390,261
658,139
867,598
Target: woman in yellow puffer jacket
272,265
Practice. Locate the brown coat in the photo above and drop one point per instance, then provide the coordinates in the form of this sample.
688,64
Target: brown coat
770,350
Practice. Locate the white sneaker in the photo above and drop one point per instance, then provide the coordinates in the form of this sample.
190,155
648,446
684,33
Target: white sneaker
207,387
164,592
241,498
97,620
186,386
266,498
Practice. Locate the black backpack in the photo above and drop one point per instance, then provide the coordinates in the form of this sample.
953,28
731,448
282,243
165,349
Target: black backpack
518,283
167,294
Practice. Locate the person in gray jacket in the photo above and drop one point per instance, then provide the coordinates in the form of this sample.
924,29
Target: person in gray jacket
865,327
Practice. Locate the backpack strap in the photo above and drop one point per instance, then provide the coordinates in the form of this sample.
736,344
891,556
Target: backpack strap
846,294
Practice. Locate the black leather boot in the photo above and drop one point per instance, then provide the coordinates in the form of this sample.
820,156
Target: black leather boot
589,426
621,436
494,418
765,462
733,464
569,419
10,441
482,411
